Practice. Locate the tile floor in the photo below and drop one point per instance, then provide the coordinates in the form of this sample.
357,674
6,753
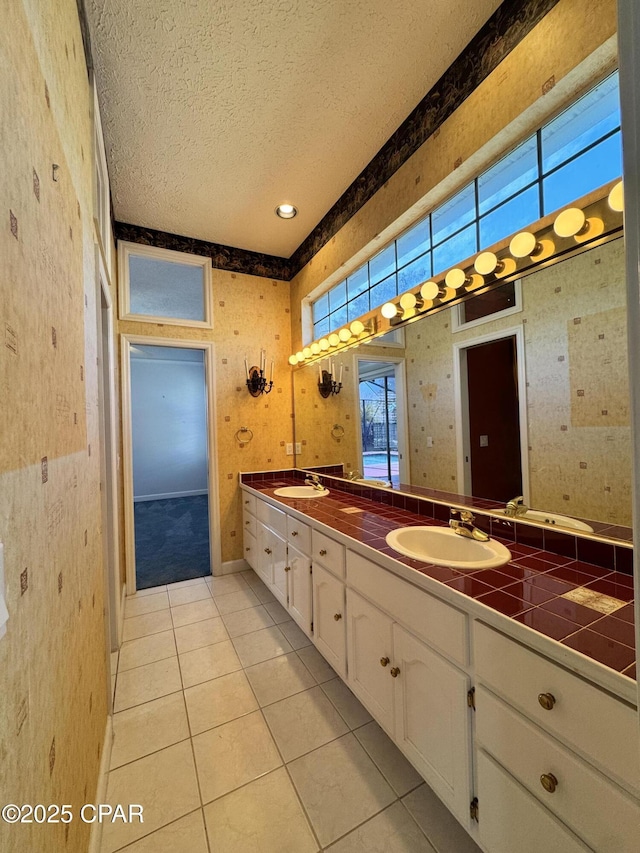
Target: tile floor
236,736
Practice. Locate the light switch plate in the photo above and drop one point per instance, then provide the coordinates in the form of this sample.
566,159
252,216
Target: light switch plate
289,448
298,447
429,441
484,441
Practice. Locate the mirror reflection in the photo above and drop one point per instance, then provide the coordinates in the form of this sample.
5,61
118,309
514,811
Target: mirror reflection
518,397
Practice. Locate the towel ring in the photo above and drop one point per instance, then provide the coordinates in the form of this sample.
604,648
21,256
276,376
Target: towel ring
241,432
337,431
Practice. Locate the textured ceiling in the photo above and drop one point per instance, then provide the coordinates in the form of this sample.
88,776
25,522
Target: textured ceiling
214,113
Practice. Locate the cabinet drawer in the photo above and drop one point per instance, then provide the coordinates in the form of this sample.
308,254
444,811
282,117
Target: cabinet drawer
299,534
249,503
250,549
248,523
439,624
584,717
328,553
512,821
594,808
274,518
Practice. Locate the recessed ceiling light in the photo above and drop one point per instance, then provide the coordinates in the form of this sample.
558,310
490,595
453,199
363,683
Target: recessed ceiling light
286,211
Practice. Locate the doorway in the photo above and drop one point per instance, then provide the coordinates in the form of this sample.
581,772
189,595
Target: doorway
492,426
168,456
382,419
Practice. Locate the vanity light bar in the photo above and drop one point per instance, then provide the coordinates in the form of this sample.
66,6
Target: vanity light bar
597,219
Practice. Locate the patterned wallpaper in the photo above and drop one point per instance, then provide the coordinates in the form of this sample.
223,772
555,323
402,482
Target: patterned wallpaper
52,659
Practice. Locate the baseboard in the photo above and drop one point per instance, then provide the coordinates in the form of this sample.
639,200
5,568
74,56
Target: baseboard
123,600
169,495
233,566
95,839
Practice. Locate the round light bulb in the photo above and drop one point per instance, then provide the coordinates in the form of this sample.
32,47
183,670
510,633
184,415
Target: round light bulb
300,356
455,278
523,244
389,310
486,263
307,352
357,328
408,301
315,348
293,359
344,335
475,281
324,344
429,290
334,340
616,197
593,227
286,211
570,222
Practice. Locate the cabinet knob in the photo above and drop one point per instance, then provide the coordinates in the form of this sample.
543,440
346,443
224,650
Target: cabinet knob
287,568
294,532
246,502
322,552
547,700
248,521
549,782
247,548
267,550
395,671
337,616
384,661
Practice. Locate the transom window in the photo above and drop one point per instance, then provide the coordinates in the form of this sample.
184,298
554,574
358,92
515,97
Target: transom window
575,153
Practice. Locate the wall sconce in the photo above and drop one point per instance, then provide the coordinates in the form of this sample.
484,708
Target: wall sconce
326,383
256,379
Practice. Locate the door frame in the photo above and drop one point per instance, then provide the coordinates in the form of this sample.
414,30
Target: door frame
400,374
461,400
126,342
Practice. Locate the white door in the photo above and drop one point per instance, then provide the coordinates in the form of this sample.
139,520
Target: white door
328,618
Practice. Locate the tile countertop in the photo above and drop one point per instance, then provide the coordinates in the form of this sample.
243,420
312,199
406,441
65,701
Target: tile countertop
529,591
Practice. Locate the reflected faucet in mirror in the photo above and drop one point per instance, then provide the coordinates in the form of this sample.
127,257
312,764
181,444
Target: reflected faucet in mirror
515,507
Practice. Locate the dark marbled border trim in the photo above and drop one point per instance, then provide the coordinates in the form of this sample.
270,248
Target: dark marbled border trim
222,257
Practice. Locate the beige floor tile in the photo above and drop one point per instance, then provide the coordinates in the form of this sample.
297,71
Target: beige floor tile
146,650
199,634
391,831
185,835
152,590
232,601
340,787
261,645
145,683
164,784
147,728
246,621
278,678
189,594
213,703
277,612
149,623
296,636
224,584
438,824
390,761
186,614
208,662
263,817
135,606
233,754
304,722
316,664
351,709
190,582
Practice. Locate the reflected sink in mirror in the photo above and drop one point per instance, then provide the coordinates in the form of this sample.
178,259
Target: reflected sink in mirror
444,547
301,492
363,481
550,518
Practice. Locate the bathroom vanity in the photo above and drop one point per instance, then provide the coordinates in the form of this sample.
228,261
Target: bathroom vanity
530,744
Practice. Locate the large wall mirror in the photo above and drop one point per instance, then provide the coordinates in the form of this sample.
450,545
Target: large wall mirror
523,391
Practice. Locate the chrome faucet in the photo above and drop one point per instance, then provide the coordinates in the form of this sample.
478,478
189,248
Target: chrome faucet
313,480
515,507
461,522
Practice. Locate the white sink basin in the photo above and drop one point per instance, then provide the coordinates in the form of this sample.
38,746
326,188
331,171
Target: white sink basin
444,547
552,519
301,492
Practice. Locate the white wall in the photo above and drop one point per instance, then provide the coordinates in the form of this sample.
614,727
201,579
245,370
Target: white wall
169,427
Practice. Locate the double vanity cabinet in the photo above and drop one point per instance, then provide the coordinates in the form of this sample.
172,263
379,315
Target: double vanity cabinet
525,751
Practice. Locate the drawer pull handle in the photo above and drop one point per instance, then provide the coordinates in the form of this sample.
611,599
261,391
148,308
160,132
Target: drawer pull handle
549,782
287,568
267,550
323,552
294,532
337,616
395,672
247,548
246,502
384,661
247,522
547,700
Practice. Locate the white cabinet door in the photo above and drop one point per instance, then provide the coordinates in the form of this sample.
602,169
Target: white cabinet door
280,569
264,564
433,726
328,618
370,655
251,549
512,821
299,588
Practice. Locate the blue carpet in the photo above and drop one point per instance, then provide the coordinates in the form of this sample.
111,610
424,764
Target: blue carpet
172,540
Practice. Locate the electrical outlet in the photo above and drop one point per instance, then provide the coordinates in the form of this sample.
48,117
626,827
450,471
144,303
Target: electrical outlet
298,447
289,449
